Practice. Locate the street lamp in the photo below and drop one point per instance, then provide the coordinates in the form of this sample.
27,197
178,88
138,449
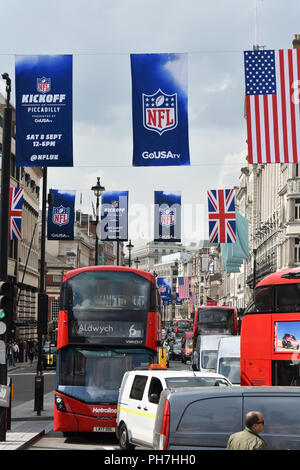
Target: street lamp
98,190
137,262
129,246
5,185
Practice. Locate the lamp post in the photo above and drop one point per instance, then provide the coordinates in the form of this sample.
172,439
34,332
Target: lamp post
98,190
42,307
254,267
137,262
5,185
129,246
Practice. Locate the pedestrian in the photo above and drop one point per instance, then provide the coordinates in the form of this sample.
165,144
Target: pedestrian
10,355
31,355
249,438
16,351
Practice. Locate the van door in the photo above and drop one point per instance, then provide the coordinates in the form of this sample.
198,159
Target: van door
135,417
281,415
154,388
208,423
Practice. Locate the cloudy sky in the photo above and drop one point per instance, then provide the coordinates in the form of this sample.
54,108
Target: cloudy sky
101,35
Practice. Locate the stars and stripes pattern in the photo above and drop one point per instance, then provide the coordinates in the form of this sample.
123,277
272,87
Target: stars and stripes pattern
15,213
183,287
221,215
272,105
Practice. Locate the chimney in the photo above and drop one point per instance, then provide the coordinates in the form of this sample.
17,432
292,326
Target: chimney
296,41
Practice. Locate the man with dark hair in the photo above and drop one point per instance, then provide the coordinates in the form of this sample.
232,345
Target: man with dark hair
249,438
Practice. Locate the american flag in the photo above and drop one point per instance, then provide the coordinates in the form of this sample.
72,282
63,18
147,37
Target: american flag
272,105
221,215
15,213
183,288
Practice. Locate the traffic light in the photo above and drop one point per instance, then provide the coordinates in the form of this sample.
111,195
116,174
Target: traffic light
4,307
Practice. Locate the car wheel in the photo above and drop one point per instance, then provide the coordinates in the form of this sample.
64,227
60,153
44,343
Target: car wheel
123,438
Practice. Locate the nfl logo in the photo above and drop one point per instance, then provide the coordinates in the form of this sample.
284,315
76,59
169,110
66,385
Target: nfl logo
43,85
61,215
160,112
167,217
114,204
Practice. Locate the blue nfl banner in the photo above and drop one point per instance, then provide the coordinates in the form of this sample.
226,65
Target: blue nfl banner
44,116
61,215
114,216
167,216
165,289
160,110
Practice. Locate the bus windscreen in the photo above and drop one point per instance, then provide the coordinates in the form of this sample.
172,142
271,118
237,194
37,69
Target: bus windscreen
216,321
94,376
102,290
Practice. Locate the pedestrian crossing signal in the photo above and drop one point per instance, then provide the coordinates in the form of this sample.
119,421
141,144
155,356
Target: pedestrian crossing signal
4,306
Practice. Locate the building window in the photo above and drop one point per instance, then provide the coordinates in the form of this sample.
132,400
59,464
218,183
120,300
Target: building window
54,309
297,209
297,250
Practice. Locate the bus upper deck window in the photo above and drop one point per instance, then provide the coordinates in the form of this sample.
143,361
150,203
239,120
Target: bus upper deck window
288,298
263,299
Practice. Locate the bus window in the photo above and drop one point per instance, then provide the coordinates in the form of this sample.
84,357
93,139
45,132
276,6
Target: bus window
110,290
286,373
263,300
288,298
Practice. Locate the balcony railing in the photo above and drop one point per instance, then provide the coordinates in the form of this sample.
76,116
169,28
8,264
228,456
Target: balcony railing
293,186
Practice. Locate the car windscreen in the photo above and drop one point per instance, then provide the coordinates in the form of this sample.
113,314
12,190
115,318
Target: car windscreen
194,381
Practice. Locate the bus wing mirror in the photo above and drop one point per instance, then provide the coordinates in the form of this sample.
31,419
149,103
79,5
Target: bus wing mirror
66,297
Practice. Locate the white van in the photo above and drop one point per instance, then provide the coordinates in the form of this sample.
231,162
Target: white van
139,396
206,353
229,355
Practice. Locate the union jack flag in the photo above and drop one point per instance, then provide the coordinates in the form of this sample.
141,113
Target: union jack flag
221,215
183,288
15,213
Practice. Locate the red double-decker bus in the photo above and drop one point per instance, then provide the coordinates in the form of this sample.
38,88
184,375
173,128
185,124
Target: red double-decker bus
215,320
270,332
182,325
109,323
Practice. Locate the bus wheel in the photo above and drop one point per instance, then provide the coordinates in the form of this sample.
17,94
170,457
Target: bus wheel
123,439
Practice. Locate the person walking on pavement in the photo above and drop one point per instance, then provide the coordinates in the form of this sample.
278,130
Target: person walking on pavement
31,355
10,355
16,351
249,438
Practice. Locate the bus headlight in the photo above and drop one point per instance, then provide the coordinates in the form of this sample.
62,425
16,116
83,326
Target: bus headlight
59,403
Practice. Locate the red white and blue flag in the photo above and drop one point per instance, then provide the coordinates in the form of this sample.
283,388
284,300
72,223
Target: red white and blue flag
15,213
221,215
183,288
272,105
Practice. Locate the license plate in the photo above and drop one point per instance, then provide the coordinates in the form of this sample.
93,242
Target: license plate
98,429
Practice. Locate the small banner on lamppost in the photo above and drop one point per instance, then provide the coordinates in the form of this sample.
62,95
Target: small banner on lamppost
167,216
61,215
114,216
165,289
44,122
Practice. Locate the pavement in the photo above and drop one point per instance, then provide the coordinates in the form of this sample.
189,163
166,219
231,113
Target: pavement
26,426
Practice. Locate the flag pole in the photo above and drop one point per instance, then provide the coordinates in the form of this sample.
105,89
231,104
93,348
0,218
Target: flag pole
255,25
